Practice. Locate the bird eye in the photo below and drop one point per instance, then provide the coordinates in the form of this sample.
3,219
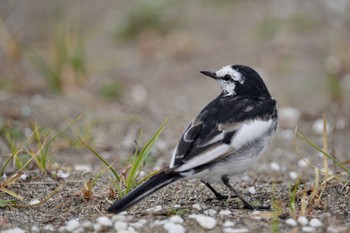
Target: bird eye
227,77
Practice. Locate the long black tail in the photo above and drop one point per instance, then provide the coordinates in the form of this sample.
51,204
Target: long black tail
153,184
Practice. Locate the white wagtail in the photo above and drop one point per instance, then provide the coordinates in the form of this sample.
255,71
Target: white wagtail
225,139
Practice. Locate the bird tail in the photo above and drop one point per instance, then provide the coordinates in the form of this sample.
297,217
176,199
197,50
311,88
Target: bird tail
153,184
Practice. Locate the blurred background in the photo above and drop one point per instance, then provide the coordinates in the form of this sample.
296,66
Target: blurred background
127,65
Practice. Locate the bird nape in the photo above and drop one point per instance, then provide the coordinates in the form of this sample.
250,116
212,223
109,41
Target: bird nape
225,139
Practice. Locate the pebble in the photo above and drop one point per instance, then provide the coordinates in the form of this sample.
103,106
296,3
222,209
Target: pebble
33,202
176,219
119,226
82,168
155,209
86,225
118,217
293,175
252,190
315,223
197,206
97,227
289,116
104,221
225,212
24,176
302,220
317,126
72,225
210,212
171,227
302,163
14,230
206,222
307,229
237,230
275,166
228,223
35,229
291,222
63,175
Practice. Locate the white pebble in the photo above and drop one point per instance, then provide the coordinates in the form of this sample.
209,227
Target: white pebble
210,212
79,230
252,190
293,175
315,223
197,206
118,217
317,126
14,230
275,166
302,220
119,226
228,223
206,222
104,221
237,230
131,230
24,176
289,116
35,229
176,219
72,225
82,168
177,206
225,212
155,209
33,202
307,229
63,175
86,224
98,227
302,163
171,227
291,222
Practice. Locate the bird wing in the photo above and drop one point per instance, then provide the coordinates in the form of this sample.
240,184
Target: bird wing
211,137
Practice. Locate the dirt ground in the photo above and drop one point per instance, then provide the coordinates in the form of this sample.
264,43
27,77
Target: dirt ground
301,49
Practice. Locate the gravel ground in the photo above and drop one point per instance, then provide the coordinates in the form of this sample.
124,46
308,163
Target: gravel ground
300,48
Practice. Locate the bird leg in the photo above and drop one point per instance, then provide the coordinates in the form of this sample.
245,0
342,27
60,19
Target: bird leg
247,205
218,195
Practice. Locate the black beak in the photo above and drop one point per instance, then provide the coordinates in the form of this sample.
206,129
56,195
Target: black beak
210,74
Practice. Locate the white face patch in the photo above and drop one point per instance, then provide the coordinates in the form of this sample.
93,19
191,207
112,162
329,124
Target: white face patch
227,86
235,75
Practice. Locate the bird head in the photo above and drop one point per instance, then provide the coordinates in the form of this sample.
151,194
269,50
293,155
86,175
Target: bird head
239,80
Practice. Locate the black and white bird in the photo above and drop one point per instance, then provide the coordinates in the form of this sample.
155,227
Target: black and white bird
226,138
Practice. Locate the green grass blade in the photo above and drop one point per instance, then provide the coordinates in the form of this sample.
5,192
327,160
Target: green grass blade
323,152
140,158
102,159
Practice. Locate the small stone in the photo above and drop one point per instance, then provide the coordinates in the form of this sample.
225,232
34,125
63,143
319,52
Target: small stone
293,175
155,209
210,212
252,190
275,166
237,230
119,226
225,212
177,206
118,217
104,221
97,227
63,175
24,176
176,219
302,163
315,223
131,230
291,222
302,220
196,206
35,229
79,230
228,223
72,225
33,202
86,225
206,222
317,126
307,229
82,168
14,230
171,227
